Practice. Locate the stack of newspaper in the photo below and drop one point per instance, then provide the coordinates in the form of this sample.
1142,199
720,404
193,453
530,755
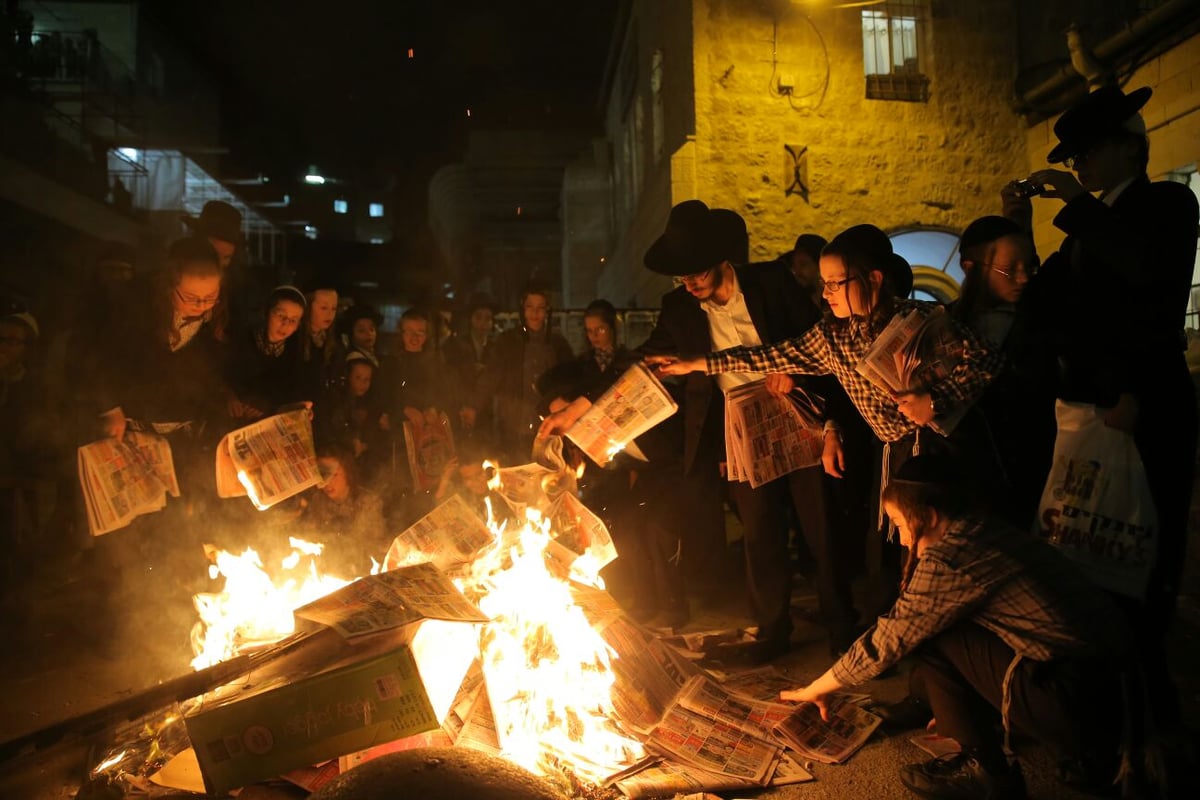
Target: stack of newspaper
768,435
124,479
269,461
631,406
914,353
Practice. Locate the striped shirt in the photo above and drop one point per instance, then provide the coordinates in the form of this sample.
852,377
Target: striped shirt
835,347
1002,579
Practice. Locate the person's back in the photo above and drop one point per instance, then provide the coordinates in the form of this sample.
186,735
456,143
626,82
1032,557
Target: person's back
1031,596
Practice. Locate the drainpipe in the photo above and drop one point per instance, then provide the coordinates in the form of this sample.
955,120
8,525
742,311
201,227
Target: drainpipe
1144,29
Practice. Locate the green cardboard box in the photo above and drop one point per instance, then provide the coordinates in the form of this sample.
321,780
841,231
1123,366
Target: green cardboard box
327,698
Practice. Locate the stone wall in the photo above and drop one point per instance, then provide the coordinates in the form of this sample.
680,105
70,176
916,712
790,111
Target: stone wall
893,163
897,164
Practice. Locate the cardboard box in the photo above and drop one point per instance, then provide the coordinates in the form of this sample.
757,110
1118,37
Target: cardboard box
326,699
384,659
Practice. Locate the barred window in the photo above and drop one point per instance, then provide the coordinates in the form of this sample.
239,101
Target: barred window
892,34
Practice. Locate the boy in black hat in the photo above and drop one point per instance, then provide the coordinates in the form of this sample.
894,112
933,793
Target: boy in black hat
1112,301
221,224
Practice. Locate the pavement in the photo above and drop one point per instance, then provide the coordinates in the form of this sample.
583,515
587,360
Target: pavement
61,659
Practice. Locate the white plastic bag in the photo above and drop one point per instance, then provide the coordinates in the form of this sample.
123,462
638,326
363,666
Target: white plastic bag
1096,507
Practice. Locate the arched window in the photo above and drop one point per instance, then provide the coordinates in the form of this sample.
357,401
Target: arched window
933,255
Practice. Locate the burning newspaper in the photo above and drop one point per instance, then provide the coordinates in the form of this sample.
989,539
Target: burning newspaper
269,461
914,353
769,435
831,742
124,479
390,600
631,406
447,537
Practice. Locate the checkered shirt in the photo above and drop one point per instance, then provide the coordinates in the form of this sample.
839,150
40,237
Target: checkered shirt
1002,579
835,347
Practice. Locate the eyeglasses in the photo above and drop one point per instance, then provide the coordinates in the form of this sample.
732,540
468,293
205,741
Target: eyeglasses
197,302
1011,272
827,287
695,277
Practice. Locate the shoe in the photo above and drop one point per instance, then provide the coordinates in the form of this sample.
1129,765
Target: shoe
746,654
910,713
962,777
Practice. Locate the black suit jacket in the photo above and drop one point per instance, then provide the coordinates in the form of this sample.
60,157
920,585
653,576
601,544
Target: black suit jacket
1113,298
779,311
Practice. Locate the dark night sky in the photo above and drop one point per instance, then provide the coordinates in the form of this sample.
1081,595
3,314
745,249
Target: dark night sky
331,83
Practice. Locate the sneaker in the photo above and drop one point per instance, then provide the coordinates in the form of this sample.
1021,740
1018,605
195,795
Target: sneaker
962,777
905,715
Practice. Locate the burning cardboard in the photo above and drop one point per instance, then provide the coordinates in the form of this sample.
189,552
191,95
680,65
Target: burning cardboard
384,661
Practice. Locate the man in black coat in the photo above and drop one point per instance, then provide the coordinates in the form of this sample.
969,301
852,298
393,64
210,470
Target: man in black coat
716,307
1112,300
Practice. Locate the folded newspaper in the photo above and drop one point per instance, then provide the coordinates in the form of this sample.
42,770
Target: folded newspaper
914,353
122,480
831,742
269,461
769,435
631,406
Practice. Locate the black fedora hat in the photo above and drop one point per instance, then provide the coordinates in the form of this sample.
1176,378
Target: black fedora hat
1101,113
696,239
217,220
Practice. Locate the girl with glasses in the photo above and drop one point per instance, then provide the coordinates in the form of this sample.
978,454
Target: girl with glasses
999,262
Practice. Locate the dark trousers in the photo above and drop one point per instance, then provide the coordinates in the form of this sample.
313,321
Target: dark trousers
647,532
698,496
1072,704
768,562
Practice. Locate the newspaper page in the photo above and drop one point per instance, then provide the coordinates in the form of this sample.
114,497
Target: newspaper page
649,674
155,451
760,683
769,435
390,600
913,353
631,406
469,722
118,484
600,607
576,528
712,700
937,746
667,779
271,460
429,446
478,730
446,537
524,487
831,742
714,746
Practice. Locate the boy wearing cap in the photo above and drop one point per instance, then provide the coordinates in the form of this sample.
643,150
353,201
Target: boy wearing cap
1113,298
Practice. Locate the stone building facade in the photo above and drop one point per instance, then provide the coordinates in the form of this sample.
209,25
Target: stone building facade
806,117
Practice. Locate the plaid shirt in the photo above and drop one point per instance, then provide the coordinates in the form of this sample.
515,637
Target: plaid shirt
835,347
999,578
